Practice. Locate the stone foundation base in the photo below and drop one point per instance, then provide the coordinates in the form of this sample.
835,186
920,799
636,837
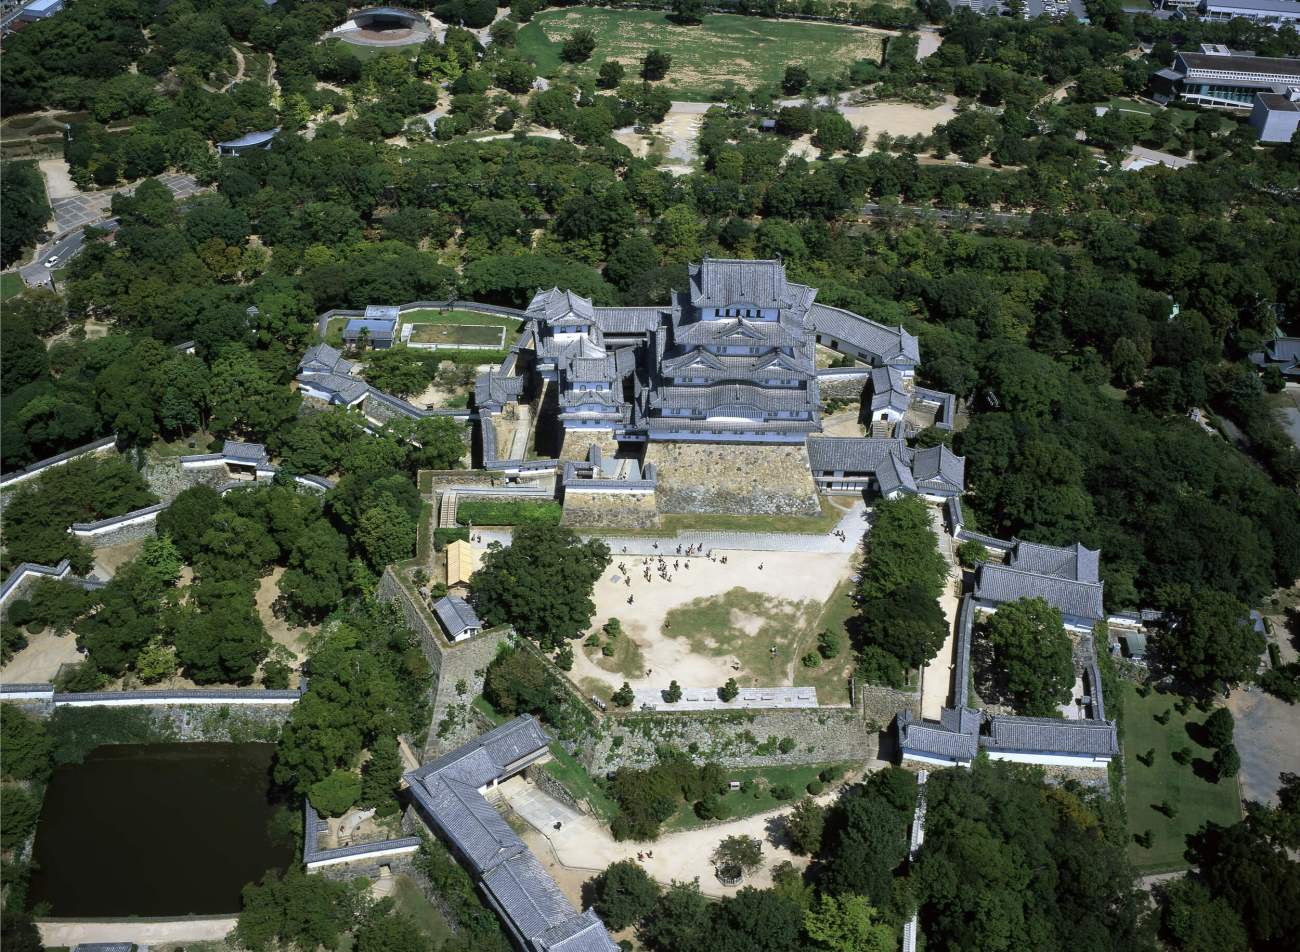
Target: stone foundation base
735,479
577,443
610,510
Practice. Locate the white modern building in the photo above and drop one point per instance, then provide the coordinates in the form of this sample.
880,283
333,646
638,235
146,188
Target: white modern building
1220,77
1274,13
1276,116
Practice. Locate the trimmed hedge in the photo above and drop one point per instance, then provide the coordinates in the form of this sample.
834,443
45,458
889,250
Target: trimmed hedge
508,513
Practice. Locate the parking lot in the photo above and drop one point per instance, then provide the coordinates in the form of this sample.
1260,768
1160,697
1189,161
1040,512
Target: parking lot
75,211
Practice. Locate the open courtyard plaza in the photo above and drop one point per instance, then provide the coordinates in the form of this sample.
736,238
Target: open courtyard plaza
703,618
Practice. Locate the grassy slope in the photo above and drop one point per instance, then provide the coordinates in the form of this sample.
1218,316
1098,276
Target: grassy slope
427,918
746,50
1196,800
739,805
11,284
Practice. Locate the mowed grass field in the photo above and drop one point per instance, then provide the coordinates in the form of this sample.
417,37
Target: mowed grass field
11,285
452,328
1195,799
726,48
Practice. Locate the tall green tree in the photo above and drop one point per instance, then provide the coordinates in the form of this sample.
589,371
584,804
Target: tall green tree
1211,644
1032,655
541,583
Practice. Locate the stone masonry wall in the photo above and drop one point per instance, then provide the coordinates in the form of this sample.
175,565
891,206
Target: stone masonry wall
449,664
736,479
577,444
610,510
879,704
191,723
553,788
732,738
842,388
126,533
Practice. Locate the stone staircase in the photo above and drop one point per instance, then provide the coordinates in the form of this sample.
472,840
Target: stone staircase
447,510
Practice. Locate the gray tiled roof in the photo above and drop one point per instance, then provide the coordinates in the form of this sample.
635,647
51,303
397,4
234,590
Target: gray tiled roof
496,389
581,933
250,452
887,390
764,399
322,358
852,454
446,791
723,282
1050,735
939,465
886,344
346,389
736,332
1069,562
629,320
937,740
555,305
999,583
455,614
894,475
521,885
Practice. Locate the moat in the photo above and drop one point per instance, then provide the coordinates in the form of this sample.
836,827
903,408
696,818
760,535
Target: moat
157,830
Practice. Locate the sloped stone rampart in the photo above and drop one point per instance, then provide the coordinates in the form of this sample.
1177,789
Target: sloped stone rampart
735,479
732,738
449,664
846,387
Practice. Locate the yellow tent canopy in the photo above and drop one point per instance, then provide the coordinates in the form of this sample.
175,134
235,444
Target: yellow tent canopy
460,563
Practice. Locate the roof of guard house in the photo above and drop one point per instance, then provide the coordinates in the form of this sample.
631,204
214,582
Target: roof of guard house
383,312
722,282
1050,735
1000,583
447,790
852,454
249,452
322,358
250,139
1284,348
495,388
939,464
941,740
1073,562
348,389
895,475
456,614
887,390
556,306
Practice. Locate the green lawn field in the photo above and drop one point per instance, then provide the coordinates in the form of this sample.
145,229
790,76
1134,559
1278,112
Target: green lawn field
725,48
737,805
11,284
457,335
430,316
1196,800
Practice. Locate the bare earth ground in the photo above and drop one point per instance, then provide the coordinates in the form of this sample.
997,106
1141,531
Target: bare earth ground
797,577
69,934
899,118
281,632
844,423
40,661
112,557
1268,739
936,677
58,180
582,847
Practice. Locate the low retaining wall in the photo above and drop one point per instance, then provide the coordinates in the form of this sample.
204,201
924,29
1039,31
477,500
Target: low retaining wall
611,510
103,446
115,530
843,386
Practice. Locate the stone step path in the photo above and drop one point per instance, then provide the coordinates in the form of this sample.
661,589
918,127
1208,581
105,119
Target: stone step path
447,510
853,524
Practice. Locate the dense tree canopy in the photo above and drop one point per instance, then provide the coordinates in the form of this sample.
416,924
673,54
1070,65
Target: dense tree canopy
541,583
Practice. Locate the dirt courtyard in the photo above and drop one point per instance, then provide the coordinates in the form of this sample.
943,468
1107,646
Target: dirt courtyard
789,590
1268,739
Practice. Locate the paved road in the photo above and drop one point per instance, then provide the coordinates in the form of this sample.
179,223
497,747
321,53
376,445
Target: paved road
852,524
74,213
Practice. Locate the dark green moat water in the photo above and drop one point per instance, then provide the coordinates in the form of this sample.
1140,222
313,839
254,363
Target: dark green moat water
156,830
